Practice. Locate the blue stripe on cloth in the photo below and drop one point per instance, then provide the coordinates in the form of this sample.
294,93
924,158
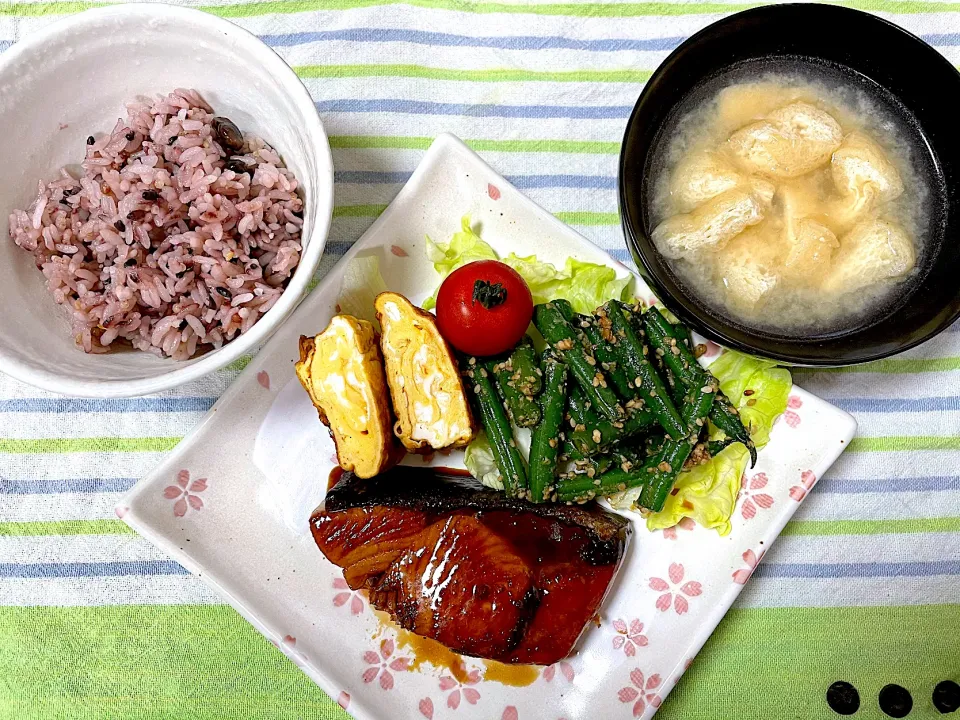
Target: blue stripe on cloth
859,570
420,107
523,182
893,405
92,569
772,570
116,405
69,485
4,44
509,42
838,486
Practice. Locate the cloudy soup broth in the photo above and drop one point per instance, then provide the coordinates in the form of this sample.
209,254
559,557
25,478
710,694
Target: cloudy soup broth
789,202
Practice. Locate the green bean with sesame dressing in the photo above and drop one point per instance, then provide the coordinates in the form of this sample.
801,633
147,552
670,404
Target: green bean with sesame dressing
560,335
590,435
669,461
546,439
632,354
683,364
527,375
523,409
494,419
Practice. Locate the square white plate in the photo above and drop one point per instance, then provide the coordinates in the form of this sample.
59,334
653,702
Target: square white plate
232,502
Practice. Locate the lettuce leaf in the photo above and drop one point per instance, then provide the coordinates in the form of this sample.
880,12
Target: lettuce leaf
359,287
478,457
585,285
707,493
479,460
464,247
769,385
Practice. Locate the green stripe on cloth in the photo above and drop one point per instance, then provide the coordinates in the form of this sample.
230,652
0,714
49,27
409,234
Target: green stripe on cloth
907,442
206,663
239,364
358,210
613,10
403,142
872,527
487,75
92,444
64,527
918,365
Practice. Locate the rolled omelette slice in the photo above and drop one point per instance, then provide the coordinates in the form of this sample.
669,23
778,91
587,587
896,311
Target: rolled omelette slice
789,142
342,371
428,396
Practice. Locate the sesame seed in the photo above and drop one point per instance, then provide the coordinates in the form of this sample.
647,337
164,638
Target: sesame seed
751,402
552,442
596,436
580,427
748,392
664,467
591,361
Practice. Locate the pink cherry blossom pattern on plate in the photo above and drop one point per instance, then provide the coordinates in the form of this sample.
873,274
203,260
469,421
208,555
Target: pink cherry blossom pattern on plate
457,689
752,559
686,523
288,646
565,668
752,500
121,511
426,708
493,191
641,692
398,251
343,699
794,402
807,481
711,349
346,596
791,418
673,592
381,665
185,493
263,377
510,713
629,637
686,666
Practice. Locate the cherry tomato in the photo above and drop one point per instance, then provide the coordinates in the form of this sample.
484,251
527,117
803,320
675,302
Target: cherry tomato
484,308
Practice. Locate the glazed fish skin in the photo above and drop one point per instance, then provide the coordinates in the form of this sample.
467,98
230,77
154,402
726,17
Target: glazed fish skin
484,574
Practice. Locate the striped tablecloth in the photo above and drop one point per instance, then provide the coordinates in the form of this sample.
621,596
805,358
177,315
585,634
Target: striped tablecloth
863,587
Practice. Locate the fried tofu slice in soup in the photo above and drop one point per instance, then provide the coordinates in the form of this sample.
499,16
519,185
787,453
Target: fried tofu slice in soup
711,225
342,371
706,175
428,397
747,268
789,142
873,251
863,176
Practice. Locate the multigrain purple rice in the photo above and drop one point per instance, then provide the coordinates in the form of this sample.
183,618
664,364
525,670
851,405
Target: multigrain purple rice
163,242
